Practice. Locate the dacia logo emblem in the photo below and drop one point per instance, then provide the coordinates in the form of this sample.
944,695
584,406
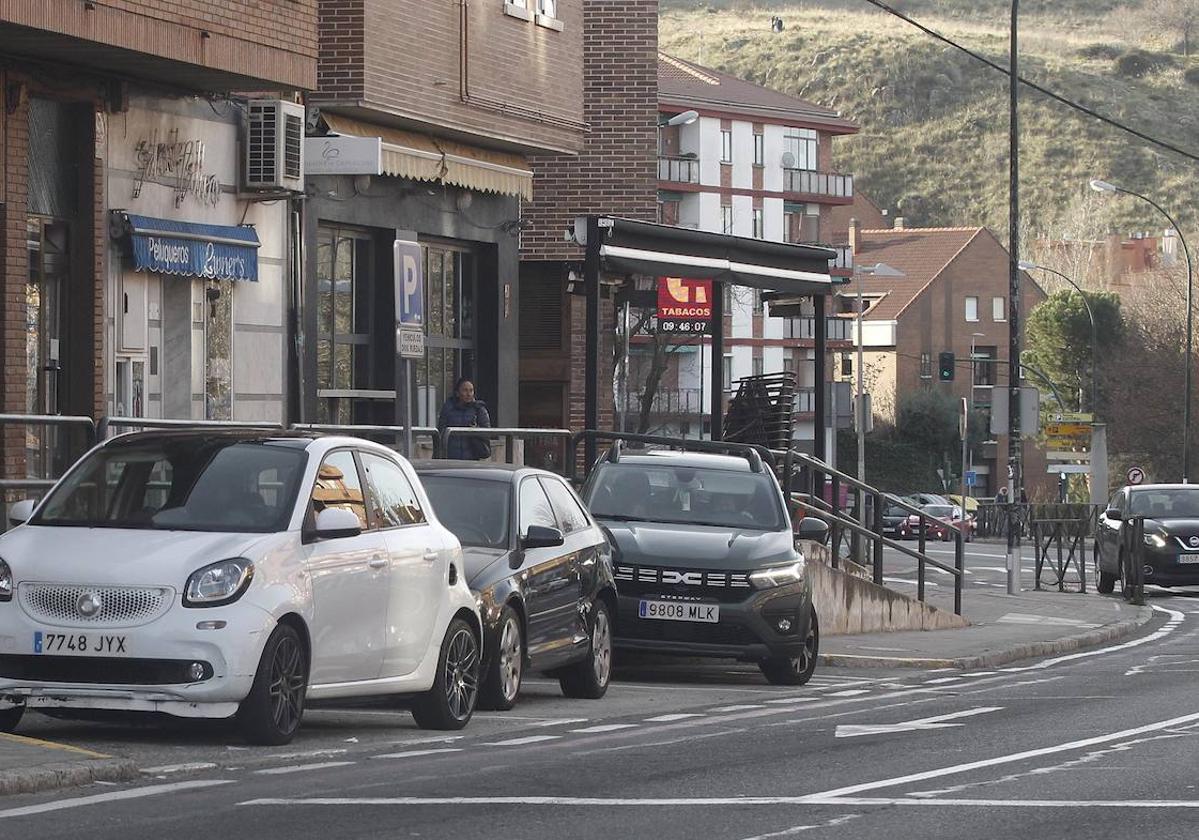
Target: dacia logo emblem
89,604
1194,541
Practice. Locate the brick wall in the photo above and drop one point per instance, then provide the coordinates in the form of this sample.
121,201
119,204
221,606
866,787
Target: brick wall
403,57
14,258
616,173
272,40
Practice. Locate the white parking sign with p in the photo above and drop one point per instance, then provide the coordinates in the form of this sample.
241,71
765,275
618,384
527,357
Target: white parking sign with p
410,299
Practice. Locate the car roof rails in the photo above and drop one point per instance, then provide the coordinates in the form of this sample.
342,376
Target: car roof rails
755,460
614,452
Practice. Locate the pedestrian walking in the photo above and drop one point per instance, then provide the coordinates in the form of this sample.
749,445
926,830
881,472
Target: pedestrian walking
1001,496
463,410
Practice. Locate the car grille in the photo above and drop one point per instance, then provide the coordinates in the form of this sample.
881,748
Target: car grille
693,632
100,669
119,606
726,587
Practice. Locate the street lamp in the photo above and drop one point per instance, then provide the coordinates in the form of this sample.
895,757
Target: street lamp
973,385
1031,266
1105,187
685,118
878,270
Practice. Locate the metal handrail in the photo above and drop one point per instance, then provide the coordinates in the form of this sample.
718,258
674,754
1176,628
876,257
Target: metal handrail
107,423
509,435
718,447
432,433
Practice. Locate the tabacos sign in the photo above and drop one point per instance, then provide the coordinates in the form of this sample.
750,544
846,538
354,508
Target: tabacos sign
684,306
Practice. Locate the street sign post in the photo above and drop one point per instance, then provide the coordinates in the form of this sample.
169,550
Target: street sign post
410,321
1136,475
971,478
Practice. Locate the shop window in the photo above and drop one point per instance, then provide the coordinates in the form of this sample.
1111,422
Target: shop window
218,350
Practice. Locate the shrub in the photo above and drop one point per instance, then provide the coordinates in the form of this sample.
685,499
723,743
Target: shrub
1136,64
1192,75
1107,52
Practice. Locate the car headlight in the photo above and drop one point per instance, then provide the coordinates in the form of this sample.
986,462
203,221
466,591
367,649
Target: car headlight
6,582
778,575
218,583
1155,540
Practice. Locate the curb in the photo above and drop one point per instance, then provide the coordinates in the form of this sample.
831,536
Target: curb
66,774
1028,650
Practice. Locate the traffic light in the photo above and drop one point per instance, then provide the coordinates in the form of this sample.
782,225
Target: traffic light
945,368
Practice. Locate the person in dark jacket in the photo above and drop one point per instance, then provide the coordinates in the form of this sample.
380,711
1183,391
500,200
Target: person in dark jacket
462,409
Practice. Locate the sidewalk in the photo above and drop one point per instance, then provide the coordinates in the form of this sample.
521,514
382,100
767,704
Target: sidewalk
28,765
1004,628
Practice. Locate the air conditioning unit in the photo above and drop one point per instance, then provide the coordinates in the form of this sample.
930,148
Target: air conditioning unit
275,146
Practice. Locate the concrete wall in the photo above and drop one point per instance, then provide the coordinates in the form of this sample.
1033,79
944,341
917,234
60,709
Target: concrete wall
848,604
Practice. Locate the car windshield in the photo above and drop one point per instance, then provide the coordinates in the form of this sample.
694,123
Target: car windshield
939,511
685,496
181,484
476,510
894,511
1165,504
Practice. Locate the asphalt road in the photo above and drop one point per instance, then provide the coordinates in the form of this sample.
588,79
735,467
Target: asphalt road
1092,745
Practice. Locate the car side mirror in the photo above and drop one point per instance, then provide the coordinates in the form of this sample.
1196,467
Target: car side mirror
539,536
1114,513
332,523
19,512
812,528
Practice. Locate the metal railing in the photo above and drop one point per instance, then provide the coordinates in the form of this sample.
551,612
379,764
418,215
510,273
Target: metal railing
804,327
685,445
50,459
811,182
814,478
1132,563
683,170
844,257
550,450
392,436
1059,535
673,401
106,424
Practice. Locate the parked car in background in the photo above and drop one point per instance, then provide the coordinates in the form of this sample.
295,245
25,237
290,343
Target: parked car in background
218,574
1170,554
541,570
705,559
895,519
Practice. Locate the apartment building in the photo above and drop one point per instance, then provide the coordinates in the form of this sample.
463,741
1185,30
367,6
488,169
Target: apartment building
750,161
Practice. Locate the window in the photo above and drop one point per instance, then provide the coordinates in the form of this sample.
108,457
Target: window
534,507
726,147
926,365
338,486
758,366
726,218
726,369
759,224
756,300
971,309
759,150
801,222
788,363
547,15
476,511
802,146
518,9
344,327
984,365
449,328
566,507
393,501
998,309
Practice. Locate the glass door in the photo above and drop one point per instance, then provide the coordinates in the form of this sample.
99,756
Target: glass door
450,343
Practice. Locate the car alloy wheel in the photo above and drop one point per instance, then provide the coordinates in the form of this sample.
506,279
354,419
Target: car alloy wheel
511,658
795,670
287,684
589,677
462,674
601,648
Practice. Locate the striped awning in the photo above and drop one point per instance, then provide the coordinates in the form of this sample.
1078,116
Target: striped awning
421,157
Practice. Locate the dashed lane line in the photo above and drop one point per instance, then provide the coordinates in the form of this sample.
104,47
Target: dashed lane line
673,717
419,753
520,742
606,727
301,768
745,707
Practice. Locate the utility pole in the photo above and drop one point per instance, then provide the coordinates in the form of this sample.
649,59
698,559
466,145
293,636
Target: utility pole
1015,472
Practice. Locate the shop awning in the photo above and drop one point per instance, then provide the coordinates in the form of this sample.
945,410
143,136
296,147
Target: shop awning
634,247
420,157
191,249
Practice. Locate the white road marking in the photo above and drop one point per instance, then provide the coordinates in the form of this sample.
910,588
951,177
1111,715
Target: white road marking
678,716
1021,618
789,700
301,768
114,796
941,680
909,582
558,722
167,769
957,769
799,829
606,727
418,753
853,692
308,754
1176,618
935,722
528,739
742,708
1004,803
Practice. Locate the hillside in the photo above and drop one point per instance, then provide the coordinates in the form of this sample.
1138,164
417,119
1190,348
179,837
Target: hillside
933,143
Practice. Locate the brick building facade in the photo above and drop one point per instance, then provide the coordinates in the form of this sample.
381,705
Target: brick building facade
615,174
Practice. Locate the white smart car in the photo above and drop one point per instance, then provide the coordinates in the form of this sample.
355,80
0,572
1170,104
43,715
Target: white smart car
213,574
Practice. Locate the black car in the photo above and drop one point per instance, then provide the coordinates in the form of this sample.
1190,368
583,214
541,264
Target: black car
541,570
1170,554
895,519
705,560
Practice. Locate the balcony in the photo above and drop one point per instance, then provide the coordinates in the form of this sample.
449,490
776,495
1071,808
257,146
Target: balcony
679,170
838,329
827,184
675,401
844,260
805,400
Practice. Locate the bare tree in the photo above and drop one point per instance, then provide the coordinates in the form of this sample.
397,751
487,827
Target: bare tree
1179,17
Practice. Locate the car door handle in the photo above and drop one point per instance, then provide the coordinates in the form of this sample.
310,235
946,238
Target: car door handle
377,562
431,556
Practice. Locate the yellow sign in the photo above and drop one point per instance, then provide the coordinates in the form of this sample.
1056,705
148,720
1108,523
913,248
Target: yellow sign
1071,430
1071,417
